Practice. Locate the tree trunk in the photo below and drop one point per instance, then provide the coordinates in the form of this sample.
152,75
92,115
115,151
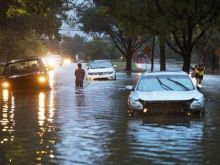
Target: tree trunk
218,60
186,62
129,55
152,55
213,63
129,62
162,55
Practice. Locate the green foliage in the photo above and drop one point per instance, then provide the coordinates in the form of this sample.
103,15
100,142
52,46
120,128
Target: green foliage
74,45
96,48
12,12
102,48
181,22
95,20
24,24
18,45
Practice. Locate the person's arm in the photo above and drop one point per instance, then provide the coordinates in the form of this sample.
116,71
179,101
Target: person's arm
83,74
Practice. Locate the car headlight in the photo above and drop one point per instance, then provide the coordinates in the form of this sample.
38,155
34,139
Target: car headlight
5,84
66,61
109,72
135,104
42,79
197,104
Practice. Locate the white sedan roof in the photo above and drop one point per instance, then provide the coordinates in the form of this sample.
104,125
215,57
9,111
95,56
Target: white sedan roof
103,60
164,73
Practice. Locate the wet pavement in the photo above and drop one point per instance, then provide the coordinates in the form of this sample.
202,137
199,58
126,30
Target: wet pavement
90,125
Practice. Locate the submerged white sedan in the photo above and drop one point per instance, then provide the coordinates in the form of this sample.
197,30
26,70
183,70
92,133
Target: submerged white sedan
165,92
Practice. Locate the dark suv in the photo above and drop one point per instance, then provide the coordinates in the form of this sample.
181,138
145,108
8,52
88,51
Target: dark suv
25,73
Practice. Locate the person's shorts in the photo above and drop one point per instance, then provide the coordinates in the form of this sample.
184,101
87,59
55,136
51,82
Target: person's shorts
199,76
79,83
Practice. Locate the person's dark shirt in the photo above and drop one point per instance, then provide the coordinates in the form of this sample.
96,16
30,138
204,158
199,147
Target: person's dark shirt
79,73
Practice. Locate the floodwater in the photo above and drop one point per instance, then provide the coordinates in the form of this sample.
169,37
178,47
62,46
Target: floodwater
90,125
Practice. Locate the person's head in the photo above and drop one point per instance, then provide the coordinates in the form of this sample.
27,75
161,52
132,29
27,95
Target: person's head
79,65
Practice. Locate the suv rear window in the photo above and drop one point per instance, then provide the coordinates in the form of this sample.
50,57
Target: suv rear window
22,67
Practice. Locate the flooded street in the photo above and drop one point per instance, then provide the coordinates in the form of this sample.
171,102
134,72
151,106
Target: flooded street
90,125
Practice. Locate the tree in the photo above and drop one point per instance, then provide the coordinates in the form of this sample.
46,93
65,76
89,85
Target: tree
183,23
140,21
21,19
74,45
93,20
102,48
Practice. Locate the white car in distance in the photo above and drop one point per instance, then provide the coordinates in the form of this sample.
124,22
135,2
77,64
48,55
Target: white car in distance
101,69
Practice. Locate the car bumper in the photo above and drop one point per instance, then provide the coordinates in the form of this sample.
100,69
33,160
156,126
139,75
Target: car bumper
165,107
102,76
26,84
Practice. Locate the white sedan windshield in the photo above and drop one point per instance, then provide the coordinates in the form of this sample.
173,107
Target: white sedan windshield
102,64
165,83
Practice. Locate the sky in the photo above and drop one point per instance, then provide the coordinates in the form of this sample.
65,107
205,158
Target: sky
70,31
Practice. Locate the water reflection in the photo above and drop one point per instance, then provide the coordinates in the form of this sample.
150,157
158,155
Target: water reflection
41,112
27,125
170,119
162,139
51,107
46,110
51,78
80,98
7,121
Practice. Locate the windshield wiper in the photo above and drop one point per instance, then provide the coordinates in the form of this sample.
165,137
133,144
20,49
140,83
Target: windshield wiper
178,83
163,85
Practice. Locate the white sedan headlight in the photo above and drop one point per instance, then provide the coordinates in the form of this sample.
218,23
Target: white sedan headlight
135,104
197,104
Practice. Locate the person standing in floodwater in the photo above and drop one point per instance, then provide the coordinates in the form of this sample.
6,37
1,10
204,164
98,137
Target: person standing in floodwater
80,74
199,73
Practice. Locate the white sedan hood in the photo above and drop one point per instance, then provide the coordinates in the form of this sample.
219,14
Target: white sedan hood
101,70
166,95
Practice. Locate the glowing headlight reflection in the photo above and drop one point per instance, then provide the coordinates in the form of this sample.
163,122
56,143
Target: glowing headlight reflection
5,93
51,107
51,78
7,121
41,112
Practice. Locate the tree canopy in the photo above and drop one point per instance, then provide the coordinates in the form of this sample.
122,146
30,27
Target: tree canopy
29,20
183,23
93,19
